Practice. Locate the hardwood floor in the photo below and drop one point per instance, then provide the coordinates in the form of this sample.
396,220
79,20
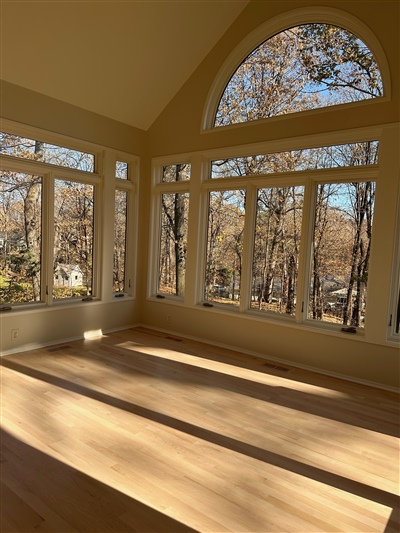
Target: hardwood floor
144,432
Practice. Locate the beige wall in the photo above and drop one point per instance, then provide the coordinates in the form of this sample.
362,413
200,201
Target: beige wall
64,322
177,130
183,115
35,109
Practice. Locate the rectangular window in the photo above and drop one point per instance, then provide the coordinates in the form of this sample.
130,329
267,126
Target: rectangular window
226,214
173,243
345,155
120,221
121,170
276,249
173,173
36,150
73,239
340,252
20,235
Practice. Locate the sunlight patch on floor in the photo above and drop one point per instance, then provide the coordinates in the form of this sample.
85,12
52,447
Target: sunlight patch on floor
230,369
92,334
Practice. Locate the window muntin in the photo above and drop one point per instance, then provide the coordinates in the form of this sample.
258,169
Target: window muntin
340,253
73,239
20,237
226,213
276,249
305,67
173,243
180,172
37,150
343,155
120,232
121,170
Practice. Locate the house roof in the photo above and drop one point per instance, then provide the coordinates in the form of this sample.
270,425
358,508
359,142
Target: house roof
122,59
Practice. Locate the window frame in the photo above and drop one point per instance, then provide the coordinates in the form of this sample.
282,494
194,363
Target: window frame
16,166
309,179
277,24
97,206
160,187
200,185
130,186
101,175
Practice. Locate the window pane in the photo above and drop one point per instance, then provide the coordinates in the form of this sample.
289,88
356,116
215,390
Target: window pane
176,173
341,250
16,146
121,199
121,170
73,239
345,155
305,67
20,237
173,243
225,246
276,249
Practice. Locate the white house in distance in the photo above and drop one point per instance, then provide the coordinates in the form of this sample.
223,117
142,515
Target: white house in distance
68,276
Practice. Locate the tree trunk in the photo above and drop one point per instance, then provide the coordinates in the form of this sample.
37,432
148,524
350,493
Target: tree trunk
179,233
32,219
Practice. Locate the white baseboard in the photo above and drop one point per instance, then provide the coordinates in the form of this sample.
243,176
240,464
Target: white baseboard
278,360
38,345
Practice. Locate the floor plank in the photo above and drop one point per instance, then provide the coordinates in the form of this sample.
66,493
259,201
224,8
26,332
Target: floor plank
140,431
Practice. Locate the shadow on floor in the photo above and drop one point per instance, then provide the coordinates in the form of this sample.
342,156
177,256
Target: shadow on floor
40,493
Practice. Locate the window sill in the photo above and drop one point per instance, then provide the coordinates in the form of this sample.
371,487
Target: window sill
167,298
41,307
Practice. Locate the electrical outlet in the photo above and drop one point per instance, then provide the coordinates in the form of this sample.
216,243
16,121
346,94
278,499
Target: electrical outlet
14,334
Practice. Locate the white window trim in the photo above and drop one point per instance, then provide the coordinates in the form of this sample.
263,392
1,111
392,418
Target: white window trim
201,183
276,25
131,187
158,189
31,132
50,172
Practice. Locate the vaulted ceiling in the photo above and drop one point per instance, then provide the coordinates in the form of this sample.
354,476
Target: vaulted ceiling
123,59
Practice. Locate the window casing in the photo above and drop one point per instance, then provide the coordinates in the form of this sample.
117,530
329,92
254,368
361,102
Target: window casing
21,236
173,243
276,249
125,224
305,67
120,232
341,247
226,214
280,24
290,299
170,221
64,240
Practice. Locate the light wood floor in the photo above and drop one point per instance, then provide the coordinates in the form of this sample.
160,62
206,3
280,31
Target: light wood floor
143,432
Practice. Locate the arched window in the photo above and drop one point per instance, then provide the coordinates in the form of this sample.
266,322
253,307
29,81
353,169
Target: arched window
305,67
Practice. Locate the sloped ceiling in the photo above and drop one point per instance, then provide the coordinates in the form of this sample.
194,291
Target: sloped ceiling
122,59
